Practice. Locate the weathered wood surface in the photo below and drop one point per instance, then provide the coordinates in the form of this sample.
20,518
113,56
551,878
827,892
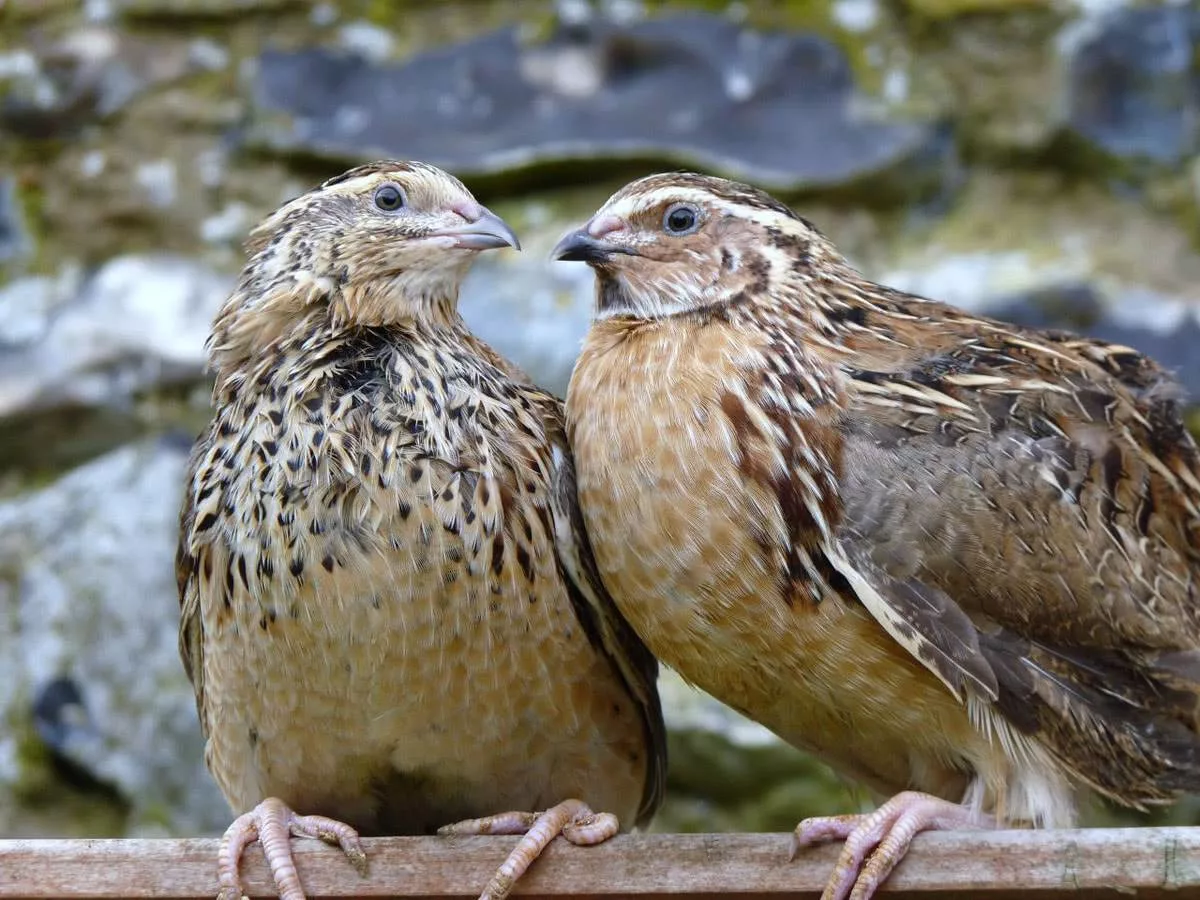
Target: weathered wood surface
1143,862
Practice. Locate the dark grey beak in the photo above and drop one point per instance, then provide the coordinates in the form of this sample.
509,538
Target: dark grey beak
579,246
488,232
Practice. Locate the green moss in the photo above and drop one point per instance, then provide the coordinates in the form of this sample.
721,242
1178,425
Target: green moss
423,26
52,798
40,446
180,12
807,15
1065,224
31,162
33,758
1176,192
867,52
715,785
1192,420
22,14
947,9
30,200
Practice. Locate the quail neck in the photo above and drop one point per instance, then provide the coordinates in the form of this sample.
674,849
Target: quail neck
376,246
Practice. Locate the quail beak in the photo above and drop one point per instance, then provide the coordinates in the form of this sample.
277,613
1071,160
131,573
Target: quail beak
588,244
488,232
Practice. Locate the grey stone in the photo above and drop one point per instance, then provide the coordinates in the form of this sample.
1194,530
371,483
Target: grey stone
366,40
87,75
138,322
1164,329
63,721
14,241
531,310
88,620
780,108
1135,86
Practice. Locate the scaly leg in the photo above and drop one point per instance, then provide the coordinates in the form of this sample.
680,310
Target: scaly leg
888,831
273,824
573,819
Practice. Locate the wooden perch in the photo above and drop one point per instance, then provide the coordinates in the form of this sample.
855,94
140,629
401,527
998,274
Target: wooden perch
1091,863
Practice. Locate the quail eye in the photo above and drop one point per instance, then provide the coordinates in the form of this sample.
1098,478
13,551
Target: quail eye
389,198
681,219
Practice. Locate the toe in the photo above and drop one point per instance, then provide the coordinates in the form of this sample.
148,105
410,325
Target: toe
331,831
858,844
243,831
273,823
885,835
571,818
275,835
593,828
821,829
501,823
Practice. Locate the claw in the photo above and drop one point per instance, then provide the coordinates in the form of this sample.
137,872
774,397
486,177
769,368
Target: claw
573,819
273,824
888,832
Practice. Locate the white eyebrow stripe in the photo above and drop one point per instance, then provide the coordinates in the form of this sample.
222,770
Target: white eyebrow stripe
628,207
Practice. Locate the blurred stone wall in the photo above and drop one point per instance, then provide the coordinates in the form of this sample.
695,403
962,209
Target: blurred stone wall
1032,159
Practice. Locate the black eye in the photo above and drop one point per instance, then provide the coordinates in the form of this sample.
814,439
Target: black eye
681,219
389,198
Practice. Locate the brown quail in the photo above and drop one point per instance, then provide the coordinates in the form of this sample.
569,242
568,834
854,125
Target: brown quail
955,558
390,612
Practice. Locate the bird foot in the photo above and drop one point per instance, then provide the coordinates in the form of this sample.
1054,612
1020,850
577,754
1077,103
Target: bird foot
273,824
888,831
573,819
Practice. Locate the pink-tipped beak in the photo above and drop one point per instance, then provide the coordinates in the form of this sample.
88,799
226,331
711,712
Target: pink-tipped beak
588,244
483,230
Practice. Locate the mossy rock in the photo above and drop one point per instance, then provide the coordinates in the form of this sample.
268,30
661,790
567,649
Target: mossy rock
51,797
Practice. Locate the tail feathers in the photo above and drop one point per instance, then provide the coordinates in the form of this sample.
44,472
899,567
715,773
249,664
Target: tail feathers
1178,669
1125,726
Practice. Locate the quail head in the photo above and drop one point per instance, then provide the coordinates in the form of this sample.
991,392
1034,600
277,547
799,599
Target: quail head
390,612
955,558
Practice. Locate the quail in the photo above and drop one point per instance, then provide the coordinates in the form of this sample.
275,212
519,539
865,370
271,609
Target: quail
955,558
390,611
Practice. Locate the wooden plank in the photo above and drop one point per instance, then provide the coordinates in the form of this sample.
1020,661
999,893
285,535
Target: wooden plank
1094,863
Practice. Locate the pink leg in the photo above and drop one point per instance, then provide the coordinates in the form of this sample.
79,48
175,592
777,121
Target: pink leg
573,819
273,824
888,831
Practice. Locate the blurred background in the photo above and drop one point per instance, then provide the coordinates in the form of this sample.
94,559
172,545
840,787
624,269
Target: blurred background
1032,159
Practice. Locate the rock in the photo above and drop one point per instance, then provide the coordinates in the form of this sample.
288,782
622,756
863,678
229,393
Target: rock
779,108
88,637
14,241
1135,86
368,41
999,78
138,322
54,89
1164,329
64,723
532,310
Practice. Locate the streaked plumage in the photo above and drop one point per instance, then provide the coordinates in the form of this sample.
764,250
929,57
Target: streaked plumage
946,554
389,608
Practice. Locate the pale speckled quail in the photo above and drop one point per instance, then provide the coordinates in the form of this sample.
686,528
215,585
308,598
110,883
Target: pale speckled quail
390,612
955,558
